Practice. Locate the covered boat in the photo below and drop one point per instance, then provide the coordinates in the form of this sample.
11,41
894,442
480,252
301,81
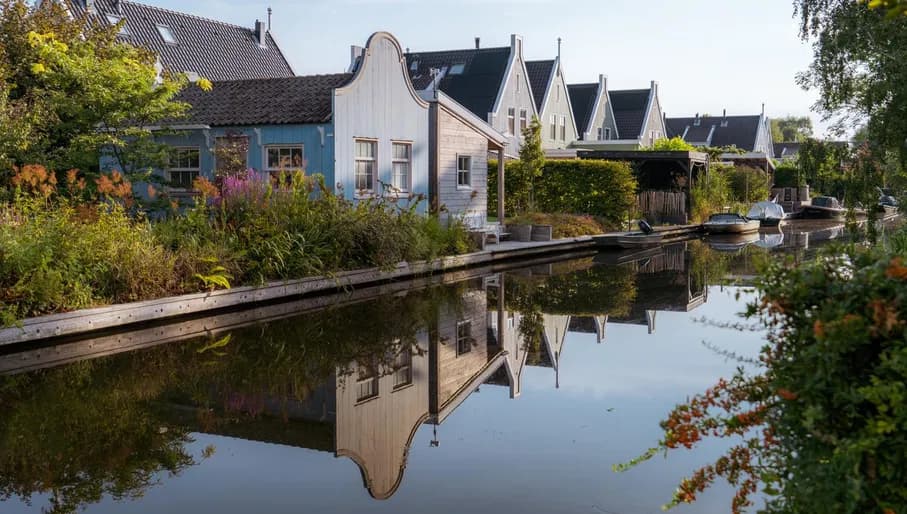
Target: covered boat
824,207
730,223
769,214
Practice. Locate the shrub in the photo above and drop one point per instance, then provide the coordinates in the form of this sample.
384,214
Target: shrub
788,175
565,225
749,185
710,194
674,144
605,189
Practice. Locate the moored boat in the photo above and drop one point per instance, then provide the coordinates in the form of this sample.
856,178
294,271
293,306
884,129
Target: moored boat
639,240
730,223
824,208
769,214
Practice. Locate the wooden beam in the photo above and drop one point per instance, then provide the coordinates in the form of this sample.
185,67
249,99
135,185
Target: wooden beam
501,186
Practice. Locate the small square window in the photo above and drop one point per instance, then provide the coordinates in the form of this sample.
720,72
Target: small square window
183,167
166,34
464,337
457,69
524,119
464,171
284,159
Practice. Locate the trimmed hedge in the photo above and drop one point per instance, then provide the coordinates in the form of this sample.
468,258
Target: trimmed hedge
606,189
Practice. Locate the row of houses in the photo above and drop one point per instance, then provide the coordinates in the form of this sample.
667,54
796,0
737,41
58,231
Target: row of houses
395,122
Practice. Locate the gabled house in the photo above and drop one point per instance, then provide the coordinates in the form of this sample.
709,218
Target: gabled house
552,102
491,82
787,151
592,110
184,43
637,120
752,134
367,132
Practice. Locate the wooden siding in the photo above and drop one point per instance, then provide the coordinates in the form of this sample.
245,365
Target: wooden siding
655,122
380,104
376,433
459,139
518,95
557,106
602,117
455,370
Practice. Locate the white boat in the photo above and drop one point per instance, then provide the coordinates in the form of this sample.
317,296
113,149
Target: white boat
769,214
730,223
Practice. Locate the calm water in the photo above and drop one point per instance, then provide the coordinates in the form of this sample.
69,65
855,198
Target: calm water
512,391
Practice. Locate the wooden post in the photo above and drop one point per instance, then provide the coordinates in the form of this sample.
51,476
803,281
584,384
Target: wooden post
501,186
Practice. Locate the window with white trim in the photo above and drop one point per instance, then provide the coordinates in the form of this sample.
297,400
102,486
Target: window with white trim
166,34
464,337
608,133
519,82
599,136
563,128
366,165
403,368
511,120
524,120
464,171
366,383
402,166
553,126
284,158
183,166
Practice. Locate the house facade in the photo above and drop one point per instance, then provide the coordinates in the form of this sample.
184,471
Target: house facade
751,135
185,43
366,132
491,82
552,101
638,120
592,111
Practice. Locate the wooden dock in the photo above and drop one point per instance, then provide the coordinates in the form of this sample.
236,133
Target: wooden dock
670,234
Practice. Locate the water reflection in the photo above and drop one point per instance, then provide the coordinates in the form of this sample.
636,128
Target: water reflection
356,380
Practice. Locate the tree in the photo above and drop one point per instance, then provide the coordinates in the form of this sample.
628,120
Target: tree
674,144
859,66
532,160
792,128
69,89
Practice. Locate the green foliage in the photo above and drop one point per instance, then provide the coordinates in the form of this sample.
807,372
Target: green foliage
57,256
603,189
822,166
787,174
710,194
792,128
820,423
69,88
522,177
564,225
749,185
674,144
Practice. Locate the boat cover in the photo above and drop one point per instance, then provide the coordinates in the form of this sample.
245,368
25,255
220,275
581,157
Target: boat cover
766,210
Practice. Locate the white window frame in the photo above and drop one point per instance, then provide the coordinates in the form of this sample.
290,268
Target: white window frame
114,19
524,120
364,193
368,386
519,82
553,133
167,34
403,369
181,169
600,136
607,133
467,339
511,120
464,172
265,165
407,186
563,128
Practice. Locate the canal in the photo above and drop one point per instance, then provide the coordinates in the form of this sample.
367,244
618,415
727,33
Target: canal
500,391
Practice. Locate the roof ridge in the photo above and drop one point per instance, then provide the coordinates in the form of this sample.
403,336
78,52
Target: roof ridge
497,48
190,15
266,79
584,84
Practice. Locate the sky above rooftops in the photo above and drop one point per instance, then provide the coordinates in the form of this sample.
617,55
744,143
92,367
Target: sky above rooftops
707,56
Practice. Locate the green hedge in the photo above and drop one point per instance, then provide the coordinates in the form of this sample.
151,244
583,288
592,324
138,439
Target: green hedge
599,188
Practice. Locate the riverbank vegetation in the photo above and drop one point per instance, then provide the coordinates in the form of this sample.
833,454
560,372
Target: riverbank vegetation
78,246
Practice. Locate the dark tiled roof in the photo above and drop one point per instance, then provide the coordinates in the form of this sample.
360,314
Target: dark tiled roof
279,101
739,131
476,88
214,50
582,98
629,108
538,73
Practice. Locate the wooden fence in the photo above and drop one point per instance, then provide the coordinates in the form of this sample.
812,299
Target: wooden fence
662,206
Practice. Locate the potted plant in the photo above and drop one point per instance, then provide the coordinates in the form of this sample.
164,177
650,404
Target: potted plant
520,229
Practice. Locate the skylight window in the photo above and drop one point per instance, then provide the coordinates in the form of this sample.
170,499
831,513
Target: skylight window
457,69
166,34
114,20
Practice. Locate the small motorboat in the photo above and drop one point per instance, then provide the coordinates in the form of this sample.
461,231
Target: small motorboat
730,223
639,240
824,208
731,243
769,214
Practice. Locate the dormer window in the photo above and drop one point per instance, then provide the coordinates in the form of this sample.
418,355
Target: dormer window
697,122
457,69
114,20
414,66
166,34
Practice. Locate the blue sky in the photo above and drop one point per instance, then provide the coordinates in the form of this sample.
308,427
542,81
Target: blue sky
706,55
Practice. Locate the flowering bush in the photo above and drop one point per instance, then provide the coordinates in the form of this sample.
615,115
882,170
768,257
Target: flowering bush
823,425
